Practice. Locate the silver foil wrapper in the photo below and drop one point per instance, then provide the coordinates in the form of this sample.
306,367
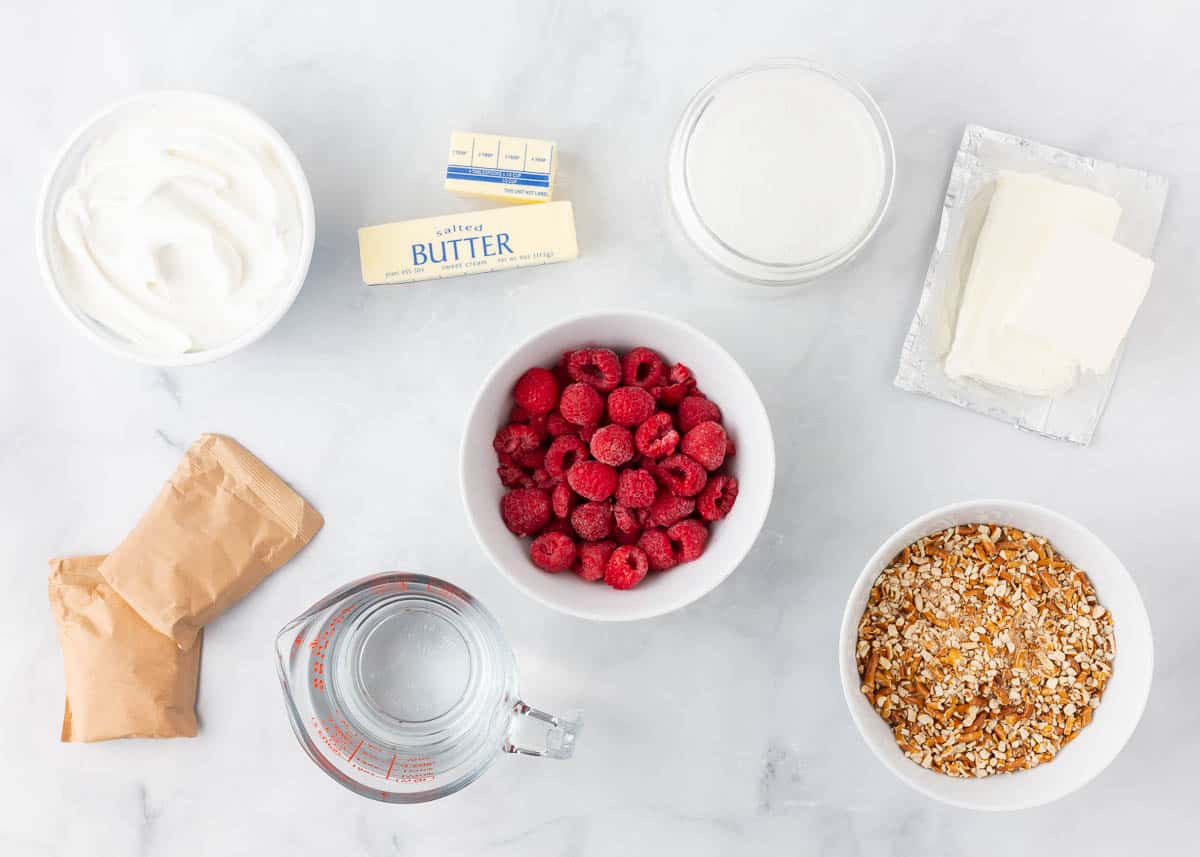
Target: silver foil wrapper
983,153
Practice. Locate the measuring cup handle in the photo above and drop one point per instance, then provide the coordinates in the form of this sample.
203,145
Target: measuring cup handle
535,733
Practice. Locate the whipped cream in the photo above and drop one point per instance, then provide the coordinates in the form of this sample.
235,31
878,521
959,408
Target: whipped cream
181,229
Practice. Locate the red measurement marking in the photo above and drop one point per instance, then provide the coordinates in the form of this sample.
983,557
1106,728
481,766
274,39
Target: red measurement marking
404,585
388,775
356,749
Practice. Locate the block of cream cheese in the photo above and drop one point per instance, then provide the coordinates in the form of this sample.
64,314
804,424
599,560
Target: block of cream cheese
1082,295
508,169
473,242
1023,211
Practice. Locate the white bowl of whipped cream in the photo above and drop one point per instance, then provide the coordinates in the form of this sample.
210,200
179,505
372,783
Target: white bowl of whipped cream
175,228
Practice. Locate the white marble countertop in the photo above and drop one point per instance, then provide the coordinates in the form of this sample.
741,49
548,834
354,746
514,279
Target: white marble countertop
719,729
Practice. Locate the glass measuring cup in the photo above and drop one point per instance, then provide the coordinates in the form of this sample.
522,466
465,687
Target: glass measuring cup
402,688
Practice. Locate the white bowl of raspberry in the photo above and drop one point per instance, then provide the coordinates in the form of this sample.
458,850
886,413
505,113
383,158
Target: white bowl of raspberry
617,465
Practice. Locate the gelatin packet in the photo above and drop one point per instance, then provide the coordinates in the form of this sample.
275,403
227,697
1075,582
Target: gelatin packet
221,524
123,678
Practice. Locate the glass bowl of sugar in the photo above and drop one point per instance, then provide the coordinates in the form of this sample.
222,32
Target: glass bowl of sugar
781,171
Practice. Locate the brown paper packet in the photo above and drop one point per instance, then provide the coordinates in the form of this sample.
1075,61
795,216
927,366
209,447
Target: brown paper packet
220,525
123,678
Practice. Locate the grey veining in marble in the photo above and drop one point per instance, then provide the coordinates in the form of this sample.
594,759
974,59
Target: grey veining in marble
719,729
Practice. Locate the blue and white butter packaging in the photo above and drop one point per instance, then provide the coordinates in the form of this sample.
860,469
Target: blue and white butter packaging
473,242
507,169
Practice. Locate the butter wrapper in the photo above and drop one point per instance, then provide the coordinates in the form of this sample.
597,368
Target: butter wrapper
473,242
508,169
982,154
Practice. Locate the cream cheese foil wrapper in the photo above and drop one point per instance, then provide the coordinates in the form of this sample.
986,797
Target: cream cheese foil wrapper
983,153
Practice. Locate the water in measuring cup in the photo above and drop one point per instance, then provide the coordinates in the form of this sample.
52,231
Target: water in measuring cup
413,664
402,688
412,676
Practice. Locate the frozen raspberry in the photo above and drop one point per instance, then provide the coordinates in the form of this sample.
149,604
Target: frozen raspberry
695,410
630,406
564,453
681,475
531,459
592,480
525,510
642,367
629,524
717,498
591,558
668,509
556,425
562,500
671,395
592,521
552,552
687,539
598,367
518,415
656,437
512,476
561,526
581,405
730,451
586,433
626,567
636,488
627,538
706,444
681,374
680,384
560,370
544,480
628,521
612,445
536,391
514,438
535,421
659,551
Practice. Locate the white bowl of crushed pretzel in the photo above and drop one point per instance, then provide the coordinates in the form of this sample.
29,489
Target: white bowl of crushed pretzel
995,655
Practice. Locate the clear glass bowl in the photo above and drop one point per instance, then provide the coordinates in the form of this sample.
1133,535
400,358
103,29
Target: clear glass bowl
721,253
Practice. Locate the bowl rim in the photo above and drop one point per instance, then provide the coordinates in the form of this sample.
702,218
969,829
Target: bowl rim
293,169
631,614
848,670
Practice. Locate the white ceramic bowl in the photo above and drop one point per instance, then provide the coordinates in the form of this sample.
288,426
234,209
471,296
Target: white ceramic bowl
1119,710
64,171
721,379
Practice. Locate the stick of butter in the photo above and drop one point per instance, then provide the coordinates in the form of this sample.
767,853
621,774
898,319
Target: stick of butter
473,242
508,169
